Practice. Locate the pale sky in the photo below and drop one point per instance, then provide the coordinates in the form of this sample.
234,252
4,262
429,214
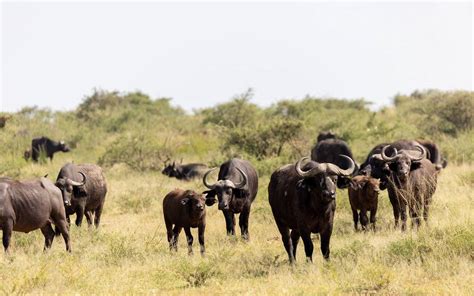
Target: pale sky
199,54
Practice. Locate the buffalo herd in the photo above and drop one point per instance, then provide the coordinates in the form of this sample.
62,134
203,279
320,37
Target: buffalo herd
302,195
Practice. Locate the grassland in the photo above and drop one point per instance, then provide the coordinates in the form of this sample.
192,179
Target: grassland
130,134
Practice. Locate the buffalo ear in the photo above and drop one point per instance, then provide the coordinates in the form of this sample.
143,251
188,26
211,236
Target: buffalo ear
210,196
184,201
415,165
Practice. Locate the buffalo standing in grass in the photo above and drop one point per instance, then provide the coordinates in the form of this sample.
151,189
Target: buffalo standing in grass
185,171
411,182
184,209
83,187
303,200
236,189
363,197
327,150
29,205
47,146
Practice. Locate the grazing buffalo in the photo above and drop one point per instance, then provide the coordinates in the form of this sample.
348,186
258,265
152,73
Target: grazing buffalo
185,171
303,200
236,189
29,205
412,182
3,120
327,150
363,197
184,209
46,146
83,187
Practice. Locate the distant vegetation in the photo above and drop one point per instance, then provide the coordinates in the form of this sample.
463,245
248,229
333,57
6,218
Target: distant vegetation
131,128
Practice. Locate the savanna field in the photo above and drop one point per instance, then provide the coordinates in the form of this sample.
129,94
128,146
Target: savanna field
131,135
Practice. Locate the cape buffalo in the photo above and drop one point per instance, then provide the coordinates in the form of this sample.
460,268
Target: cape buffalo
3,120
184,209
46,146
236,189
185,171
412,182
303,201
83,187
28,205
363,197
327,150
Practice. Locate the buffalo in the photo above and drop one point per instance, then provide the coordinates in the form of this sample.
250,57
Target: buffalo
29,205
363,197
83,187
411,182
3,120
327,150
184,209
303,200
46,146
185,171
236,189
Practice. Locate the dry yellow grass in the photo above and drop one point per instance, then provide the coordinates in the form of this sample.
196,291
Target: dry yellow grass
129,253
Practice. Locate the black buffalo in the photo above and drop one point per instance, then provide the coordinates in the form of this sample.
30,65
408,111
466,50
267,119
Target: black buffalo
236,189
411,182
303,200
29,205
327,150
185,171
83,187
46,146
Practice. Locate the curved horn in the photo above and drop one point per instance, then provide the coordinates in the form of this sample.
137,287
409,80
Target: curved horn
74,183
309,173
205,177
335,169
416,155
389,158
377,156
244,179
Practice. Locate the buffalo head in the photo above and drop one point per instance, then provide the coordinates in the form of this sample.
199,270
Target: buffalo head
63,147
225,190
67,186
401,162
322,177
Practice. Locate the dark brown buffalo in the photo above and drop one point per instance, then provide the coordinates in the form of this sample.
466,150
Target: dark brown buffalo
327,150
412,183
363,197
236,189
3,120
46,146
83,187
29,205
185,171
184,209
303,200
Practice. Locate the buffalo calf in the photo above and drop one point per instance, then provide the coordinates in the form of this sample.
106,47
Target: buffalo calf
363,197
184,209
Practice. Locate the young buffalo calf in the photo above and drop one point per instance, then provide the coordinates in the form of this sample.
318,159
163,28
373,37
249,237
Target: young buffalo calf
363,196
184,209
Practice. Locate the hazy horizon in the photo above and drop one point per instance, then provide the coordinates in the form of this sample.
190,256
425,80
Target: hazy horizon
201,54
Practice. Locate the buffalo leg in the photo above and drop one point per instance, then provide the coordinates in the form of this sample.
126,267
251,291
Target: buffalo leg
396,209
364,220
295,237
62,227
355,217
308,245
48,234
325,240
189,239
403,216
201,229
97,215
169,232
244,223
229,222
88,215
174,240
285,237
373,214
79,216
7,233
426,209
